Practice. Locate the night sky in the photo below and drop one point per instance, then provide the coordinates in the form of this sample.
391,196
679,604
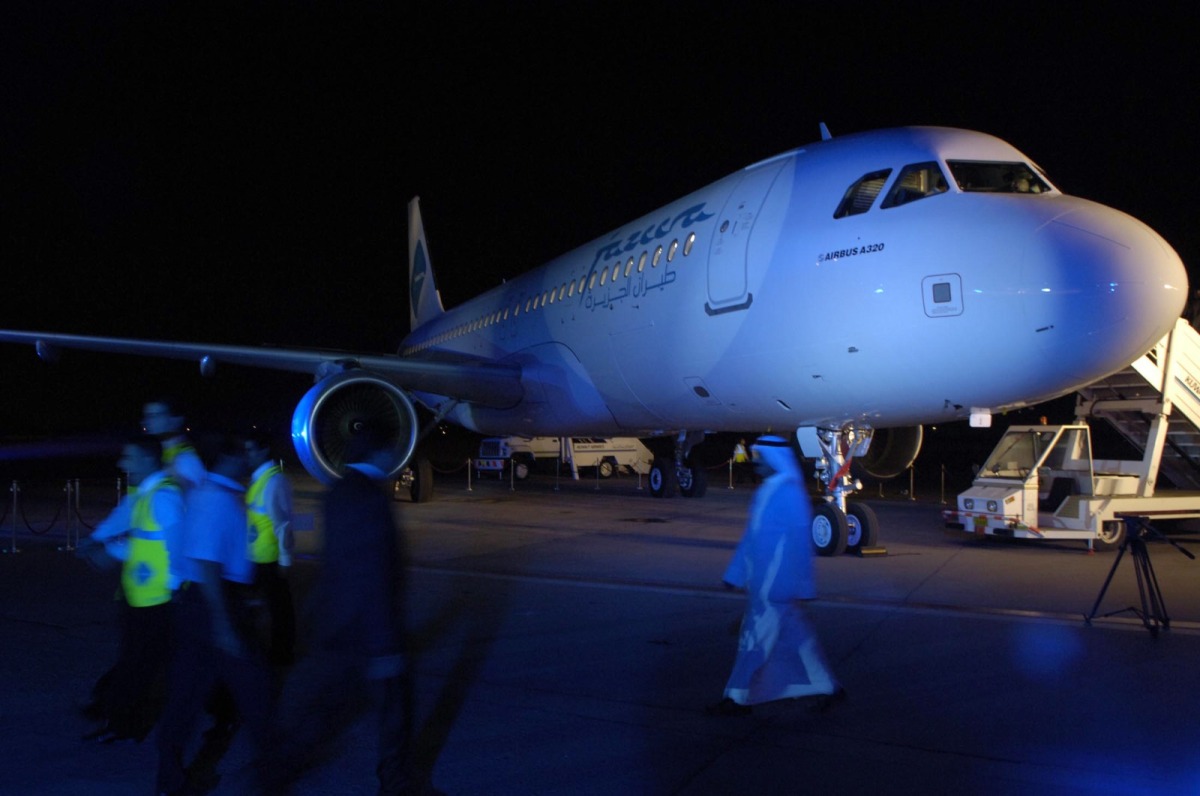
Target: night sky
239,172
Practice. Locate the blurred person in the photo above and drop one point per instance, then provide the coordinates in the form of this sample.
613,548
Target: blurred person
214,640
142,533
357,645
162,419
269,509
778,654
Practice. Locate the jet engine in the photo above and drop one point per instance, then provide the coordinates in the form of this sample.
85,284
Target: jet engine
891,451
345,404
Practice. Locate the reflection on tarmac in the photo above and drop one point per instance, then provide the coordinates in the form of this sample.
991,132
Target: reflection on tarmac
566,642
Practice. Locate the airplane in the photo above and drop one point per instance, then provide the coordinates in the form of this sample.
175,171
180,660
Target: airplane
851,290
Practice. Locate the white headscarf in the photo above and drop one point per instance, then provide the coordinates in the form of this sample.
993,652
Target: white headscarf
776,453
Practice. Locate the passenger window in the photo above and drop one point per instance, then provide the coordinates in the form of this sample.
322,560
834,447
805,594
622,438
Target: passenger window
629,266
616,271
861,195
592,281
603,276
642,262
916,181
671,251
687,244
657,257
562,291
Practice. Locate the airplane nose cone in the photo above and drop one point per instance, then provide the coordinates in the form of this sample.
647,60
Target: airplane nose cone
1100,289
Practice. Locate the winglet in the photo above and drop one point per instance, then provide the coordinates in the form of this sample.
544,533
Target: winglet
825,136
424,301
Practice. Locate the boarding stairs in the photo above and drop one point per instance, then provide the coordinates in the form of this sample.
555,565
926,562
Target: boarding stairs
1155,405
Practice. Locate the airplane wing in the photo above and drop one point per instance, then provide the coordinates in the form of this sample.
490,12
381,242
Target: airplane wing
475,381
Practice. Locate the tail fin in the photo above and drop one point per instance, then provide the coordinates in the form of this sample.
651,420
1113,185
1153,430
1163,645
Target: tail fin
424,302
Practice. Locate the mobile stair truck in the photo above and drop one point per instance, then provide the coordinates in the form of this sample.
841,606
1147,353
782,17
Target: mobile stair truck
1041,482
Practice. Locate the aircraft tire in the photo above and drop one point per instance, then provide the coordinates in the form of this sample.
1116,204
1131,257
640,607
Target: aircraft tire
662,478
696,484
829,530
864,527
421,490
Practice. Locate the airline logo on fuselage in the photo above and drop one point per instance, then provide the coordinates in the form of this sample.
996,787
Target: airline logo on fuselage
685,219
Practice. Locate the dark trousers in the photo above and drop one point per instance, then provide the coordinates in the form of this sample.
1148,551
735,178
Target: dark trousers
324,694
196,668
273,589
128,694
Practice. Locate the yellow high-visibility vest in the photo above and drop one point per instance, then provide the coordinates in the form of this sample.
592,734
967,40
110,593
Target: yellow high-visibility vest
170,452
263,545
145,571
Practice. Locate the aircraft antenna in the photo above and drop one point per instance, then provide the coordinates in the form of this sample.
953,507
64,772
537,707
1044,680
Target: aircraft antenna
825,135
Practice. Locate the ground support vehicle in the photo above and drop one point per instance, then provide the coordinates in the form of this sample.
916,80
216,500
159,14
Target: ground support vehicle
608,455
1041,482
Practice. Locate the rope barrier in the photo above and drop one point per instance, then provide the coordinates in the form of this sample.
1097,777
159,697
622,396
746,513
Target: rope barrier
448,472
73,517
45,530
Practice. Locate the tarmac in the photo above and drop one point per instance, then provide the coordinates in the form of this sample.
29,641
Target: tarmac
568,635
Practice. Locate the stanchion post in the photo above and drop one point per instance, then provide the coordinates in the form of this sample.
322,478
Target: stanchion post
912,495
943,483
731,473
16,490
70,519
512,475
78,514
469,474
597,477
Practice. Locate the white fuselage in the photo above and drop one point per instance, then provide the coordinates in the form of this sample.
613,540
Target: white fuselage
764,311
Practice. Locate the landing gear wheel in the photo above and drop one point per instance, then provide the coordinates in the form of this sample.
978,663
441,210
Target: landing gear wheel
829,530
607,468
662,478
864,527
693,482
421,490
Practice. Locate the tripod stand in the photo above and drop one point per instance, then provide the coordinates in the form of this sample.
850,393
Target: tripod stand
1153,612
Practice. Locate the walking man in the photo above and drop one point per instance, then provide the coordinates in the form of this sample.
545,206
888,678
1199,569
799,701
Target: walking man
778,654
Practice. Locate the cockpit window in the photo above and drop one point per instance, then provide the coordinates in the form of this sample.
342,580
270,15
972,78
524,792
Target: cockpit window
861,195
916,181
989,177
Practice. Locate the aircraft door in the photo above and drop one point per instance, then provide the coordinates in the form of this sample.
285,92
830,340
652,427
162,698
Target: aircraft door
727,283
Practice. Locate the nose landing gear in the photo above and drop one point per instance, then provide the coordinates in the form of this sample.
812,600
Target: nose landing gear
838,527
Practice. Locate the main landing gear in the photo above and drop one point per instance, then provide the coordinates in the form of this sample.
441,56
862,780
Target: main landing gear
667,474
838,527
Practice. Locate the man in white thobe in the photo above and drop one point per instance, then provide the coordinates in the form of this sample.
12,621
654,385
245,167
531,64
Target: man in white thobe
778,654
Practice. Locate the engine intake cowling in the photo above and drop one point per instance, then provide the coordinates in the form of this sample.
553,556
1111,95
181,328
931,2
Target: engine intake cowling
343,405
891,451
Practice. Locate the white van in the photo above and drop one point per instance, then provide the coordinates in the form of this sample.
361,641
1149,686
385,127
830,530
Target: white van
609,454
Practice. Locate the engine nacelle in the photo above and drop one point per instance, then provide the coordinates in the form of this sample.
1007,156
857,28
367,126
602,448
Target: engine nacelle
891,451
342,405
